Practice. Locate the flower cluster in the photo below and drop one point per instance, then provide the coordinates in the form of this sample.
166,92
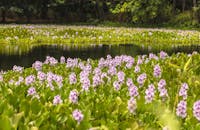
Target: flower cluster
72,78
196,110
29,79
149,93
18,69
183,91
37,65
57,100
132,105
157,71
77,115
181,109
73,96
141,79
161,88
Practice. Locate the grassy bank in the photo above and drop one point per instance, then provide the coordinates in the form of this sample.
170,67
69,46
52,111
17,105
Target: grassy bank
60,34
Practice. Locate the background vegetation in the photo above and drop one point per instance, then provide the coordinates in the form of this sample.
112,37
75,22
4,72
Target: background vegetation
135,12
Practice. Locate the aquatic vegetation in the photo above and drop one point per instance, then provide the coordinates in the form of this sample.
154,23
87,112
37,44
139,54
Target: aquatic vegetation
122,92
51,34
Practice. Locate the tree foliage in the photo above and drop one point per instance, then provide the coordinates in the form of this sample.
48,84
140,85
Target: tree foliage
130,11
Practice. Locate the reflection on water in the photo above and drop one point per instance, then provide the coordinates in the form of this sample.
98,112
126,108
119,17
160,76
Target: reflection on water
26,55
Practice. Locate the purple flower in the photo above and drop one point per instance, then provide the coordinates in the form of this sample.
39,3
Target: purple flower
85,83
132,105
18,69
183,91
137,69
96,80
72,78
181,109
41,76
161,88
163,55
37,65
161,84
112,70
50,60
57,100
129,82
121,76
133,91
149,93
31,91
77,115
29,79
196,110
73,96
62,59
1,78
141,79
117,85
157,71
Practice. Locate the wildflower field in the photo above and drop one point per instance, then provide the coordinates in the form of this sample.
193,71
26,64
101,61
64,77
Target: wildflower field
51,34
154,91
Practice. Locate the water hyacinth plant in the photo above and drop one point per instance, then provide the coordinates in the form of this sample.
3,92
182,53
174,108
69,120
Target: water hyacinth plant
123,92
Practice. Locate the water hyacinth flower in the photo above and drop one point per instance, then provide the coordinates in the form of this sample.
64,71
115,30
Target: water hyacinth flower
72,78
96,80
196,110
37,65
157,71
149,93
112,71
141,79
73,96
51,61
121,76
133,91
57,100
181,109
1,78
163,55
29,79
161,88
139,61
41,76
77,115
129,82
62,59
31,91
183,91
117,85
137,69
18,69
132,105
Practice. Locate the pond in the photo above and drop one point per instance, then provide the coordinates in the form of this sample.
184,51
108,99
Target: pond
14,55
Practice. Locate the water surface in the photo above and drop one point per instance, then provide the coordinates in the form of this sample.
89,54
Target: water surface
25,58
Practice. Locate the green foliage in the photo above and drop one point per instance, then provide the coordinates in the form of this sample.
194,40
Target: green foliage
103,107
25,35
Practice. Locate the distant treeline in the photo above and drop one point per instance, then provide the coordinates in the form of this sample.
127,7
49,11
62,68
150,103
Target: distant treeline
183,12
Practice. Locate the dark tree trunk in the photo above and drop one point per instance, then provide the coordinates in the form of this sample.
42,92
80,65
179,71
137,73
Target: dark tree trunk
44,9
183,5
194,3
3,16
174,6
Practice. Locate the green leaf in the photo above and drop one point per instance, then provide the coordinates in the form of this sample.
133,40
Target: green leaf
5,123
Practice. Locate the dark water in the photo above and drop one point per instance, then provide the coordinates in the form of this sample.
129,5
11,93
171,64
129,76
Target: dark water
25,59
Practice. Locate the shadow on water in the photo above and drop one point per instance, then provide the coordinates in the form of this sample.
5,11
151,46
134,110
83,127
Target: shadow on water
31,54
